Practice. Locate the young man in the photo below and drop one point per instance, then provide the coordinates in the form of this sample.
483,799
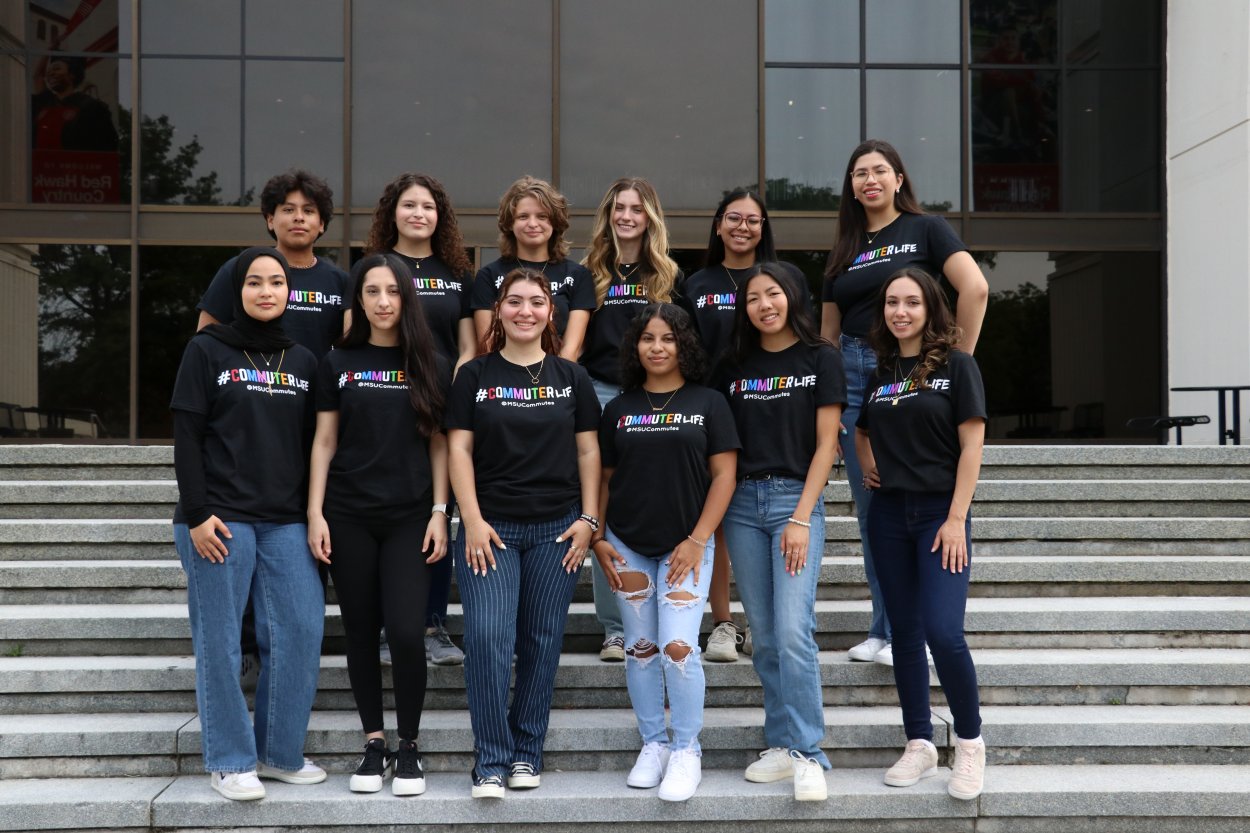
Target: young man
297,207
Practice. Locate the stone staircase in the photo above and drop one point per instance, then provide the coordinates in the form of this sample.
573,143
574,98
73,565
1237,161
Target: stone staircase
1109,618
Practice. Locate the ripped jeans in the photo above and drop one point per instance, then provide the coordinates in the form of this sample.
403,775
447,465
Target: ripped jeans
655,629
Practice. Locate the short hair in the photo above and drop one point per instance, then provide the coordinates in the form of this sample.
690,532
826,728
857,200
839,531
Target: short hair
552,201
691,358
297,179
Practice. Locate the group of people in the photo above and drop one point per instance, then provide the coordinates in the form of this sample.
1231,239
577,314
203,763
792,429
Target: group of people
668,430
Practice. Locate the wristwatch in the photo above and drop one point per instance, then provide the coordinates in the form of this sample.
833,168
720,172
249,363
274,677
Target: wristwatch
439,507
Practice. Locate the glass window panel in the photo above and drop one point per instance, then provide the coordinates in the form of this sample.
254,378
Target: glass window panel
171,281
912,31
811,30
273,27
192,131
1015,130
69,25
293,118
74,133
925,130
1020,32
1111,133
812,116
83,353
1112,32
683,113
476,131
191,27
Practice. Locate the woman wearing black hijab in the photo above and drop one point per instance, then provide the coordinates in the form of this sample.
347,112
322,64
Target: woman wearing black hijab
243,417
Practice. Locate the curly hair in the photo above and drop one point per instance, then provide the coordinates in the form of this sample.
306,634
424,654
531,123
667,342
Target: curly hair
297,179
447,243
656,268
495,337
416,343
552,201
940,334
691,358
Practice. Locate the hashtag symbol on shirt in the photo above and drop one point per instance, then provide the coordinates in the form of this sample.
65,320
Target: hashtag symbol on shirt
702,300
223,378
342,379
481,395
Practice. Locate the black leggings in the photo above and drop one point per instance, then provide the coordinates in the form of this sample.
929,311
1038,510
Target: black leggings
381,578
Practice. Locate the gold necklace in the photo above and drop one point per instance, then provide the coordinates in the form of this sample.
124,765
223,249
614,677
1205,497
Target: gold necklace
542,271
874,235
906,378
731,276
420,260
534,376
268,384
666,401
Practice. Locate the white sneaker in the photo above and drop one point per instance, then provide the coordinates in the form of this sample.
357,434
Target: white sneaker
722,643
773,765
309,773
649,769
238,786
682,777
866,650
885,656
809,778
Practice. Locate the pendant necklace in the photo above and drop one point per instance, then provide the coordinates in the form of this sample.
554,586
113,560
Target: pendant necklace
535,374
666,401
731,276
897,381
268,384
419,260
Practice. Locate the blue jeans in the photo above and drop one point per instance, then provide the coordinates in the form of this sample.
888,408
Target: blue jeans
520,607
652,626
271,562
606,611
781,609
860,363
925,602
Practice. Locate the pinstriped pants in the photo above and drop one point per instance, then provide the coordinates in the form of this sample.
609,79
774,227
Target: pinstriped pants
520,607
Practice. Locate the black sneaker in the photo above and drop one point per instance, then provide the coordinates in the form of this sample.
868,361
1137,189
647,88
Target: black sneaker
409,774
371,772
523,776
487,786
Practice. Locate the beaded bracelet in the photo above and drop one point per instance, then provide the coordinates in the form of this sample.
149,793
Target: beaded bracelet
803,524
697,541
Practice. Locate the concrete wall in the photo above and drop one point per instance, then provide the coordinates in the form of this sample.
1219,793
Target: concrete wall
1208,204
19,326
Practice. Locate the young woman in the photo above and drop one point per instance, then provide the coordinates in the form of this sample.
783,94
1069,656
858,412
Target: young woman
533,218
919,437
415,220
628,258
524,456
787,389
242,408
669,450
740,238
881,229
377,496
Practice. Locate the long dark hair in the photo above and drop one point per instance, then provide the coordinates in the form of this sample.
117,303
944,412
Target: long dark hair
495,338
765,250
852,219
745,339
691,358
447,243
940,334
416,344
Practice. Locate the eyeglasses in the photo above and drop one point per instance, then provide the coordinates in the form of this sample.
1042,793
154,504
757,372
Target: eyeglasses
734,219
880,172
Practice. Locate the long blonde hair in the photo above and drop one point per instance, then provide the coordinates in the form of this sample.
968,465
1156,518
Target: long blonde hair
658,270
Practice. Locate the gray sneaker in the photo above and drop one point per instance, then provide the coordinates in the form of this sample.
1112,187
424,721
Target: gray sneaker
439,649
249,673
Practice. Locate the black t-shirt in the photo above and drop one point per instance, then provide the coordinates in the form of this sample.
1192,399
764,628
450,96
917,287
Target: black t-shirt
774,397
444,301
626,297
381,467
915,429
572,286
661,476
318,297
923,240
524,449
255,449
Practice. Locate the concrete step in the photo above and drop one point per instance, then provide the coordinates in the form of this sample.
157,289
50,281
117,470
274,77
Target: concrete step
117,499
1015,677
86,462
1102,621
138,581
1065,799
104,744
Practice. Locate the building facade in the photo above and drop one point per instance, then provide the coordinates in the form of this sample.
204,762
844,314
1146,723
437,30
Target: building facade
1042,130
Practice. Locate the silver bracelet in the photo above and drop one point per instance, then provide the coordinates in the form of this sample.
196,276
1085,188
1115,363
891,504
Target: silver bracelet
697,541
803,524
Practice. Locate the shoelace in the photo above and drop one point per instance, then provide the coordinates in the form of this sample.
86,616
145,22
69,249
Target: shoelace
409,762
522,768
910,754
374,759
442,637
965,761
491,780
